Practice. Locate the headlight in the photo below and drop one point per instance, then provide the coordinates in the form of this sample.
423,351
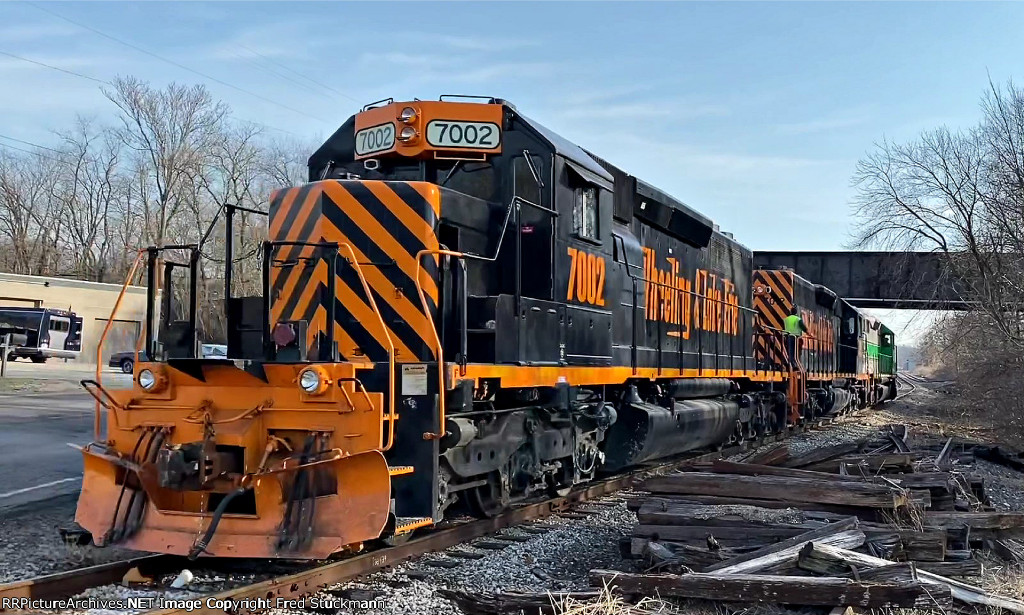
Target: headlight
147,379
408,115
44,345
408,133
309,381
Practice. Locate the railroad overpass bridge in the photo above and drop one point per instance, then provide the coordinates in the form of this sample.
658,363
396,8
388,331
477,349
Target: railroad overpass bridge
899,280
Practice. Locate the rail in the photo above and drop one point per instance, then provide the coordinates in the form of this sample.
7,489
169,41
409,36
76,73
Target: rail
903,379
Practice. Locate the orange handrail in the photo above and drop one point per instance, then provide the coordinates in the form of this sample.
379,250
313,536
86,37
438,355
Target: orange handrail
103,338
391,348
438,351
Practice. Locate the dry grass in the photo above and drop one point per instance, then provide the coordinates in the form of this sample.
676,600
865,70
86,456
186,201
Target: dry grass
1002,578
609,603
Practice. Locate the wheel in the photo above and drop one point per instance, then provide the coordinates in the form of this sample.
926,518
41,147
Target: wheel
488,500
127,366
39,359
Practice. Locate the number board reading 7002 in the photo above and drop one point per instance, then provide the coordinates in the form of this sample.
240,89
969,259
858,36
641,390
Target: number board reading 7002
470,135
375,139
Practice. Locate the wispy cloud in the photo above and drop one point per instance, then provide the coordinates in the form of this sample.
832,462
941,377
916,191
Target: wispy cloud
632,111
70,62
846,119
26,33
296,39
472,43
683,159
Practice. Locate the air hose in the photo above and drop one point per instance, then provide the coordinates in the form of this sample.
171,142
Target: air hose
200,546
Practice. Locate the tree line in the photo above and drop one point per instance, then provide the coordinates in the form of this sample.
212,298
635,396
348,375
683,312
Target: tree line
158,174
960,193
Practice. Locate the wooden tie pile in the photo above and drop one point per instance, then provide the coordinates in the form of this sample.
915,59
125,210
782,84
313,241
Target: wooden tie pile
869,523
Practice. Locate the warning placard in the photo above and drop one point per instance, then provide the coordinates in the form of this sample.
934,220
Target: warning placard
414,380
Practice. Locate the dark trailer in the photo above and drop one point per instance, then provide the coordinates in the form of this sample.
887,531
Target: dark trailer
41,333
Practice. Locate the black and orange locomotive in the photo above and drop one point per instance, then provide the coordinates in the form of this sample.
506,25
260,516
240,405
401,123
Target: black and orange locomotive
460,309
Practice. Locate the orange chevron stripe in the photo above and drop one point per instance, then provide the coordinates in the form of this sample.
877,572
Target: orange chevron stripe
315,326
292,234
353,303
373,229
412,220
285,208
346,345
402,305
431,193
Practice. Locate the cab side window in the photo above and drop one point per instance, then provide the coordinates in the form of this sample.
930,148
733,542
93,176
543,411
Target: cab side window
584,212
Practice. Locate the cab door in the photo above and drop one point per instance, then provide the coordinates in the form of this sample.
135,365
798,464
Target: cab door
535,228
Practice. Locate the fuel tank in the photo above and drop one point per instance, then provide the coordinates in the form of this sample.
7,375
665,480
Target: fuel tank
645,431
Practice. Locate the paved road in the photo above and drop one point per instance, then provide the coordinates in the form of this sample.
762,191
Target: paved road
36,464
55,369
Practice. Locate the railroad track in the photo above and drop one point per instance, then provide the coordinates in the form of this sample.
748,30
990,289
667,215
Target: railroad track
306,581
906,384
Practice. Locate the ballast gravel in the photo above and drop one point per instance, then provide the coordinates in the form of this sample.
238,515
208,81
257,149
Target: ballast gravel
32,545
560,559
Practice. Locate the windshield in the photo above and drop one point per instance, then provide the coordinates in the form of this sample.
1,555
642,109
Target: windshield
474,178
214,350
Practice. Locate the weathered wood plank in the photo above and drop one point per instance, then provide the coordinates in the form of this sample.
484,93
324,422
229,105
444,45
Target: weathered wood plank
939,481
926,545
1007,549
962,568
772,456
768,487
976,520
816,510
721,466
825,453
661,512
960,591
1001,456
786,550
824,591
693,557
867,463
729,536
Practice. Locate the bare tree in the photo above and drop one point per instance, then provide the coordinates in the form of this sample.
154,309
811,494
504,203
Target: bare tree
161,175
959,194
30,220
169,133
87,188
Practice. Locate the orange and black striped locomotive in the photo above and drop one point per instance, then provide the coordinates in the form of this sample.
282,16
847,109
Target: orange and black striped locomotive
460,310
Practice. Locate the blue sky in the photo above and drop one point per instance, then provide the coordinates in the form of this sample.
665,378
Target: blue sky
754,113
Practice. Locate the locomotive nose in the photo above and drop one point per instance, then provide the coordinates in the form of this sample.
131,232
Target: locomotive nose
231,474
